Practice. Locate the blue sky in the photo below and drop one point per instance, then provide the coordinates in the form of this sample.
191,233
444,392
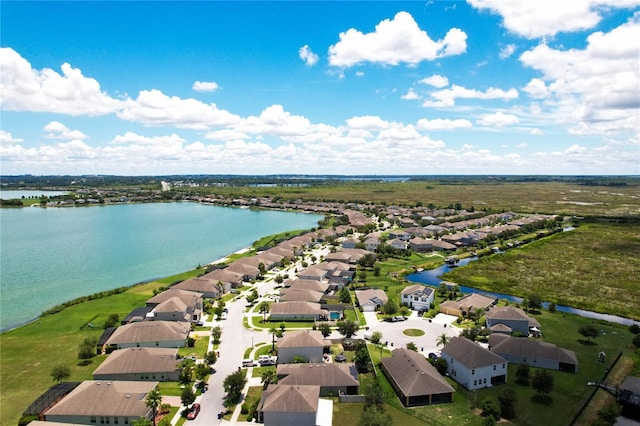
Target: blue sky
436,87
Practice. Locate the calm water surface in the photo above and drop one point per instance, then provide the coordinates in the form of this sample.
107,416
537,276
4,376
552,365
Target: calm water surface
49,256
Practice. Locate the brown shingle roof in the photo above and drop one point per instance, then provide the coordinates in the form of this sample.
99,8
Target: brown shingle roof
470,354
414,375
149,331
324,375
139,360
507,313
302,339
297,308
290,399
105,398
300,295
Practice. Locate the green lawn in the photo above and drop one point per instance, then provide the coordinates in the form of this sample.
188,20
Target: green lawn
413,332
199,350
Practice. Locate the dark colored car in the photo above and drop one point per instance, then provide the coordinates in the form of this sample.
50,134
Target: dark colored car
193,411
433,356
390,319
340,358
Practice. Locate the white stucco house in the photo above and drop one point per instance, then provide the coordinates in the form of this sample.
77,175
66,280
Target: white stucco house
473,366
309,344
418,297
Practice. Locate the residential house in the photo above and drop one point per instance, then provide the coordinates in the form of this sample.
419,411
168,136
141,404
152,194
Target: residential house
302,311
467,304
294,405
338,256
354,254
514,318
473,366
536,353
300,295
192,302
398,244
333,378
372,299
400,234
161,334
350,243
418,297
415,380
309,344
155,364
371,244
98,402
207,287
227,278
312,285
420,245
313,272
248,272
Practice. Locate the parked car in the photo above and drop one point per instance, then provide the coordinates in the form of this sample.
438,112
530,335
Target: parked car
193,411
401,318
433,356
340,358
223,316
390,319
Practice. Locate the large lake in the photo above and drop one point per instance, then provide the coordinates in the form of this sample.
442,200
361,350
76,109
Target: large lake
49,256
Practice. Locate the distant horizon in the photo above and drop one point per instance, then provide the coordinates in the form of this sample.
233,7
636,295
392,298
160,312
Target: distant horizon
475,87
328,175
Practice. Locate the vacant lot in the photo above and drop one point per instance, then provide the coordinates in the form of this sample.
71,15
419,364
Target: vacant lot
594,267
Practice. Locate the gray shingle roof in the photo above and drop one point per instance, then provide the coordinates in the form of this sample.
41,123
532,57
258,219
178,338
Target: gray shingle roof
470,354
527,348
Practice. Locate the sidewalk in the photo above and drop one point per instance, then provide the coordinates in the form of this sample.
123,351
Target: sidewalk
251,381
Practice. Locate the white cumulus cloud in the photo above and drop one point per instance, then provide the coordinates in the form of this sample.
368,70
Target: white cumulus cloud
507,51
443,124
57,130
205,86
154,108
499,119
446,97
26,89
595,87
394,41
436,80
309,58
411,95
7,138
540,18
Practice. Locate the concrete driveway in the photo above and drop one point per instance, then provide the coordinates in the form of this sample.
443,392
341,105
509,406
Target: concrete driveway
392,332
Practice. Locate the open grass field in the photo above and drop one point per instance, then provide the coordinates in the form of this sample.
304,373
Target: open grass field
594,267
560,196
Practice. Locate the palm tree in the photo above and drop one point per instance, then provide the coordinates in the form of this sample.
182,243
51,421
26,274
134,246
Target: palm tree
268,377
263,308
442,340
153,401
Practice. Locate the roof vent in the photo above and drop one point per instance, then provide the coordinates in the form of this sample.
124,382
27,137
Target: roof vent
128,396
